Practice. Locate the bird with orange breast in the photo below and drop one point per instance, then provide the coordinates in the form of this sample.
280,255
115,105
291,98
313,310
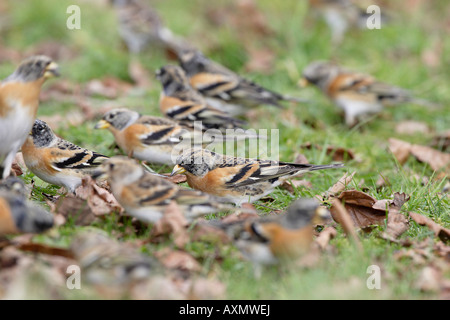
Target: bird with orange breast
19,101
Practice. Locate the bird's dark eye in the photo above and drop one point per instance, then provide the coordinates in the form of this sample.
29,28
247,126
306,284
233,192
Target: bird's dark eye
111,166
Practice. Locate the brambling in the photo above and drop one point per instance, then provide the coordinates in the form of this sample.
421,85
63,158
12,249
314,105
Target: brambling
357,94
224,89
105,261
181,102
146,196
15,185
139,26
146,138
55,160
19,215
237,179
278,239
150,138
19,101
341,15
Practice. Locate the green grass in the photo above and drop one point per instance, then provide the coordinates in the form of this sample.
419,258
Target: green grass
392,54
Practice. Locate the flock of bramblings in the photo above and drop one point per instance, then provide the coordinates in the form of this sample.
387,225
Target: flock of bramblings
197,95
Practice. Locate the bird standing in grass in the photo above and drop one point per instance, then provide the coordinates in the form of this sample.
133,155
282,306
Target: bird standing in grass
56,160
237,179
224,89
179,101
19,101
146,196
359,95
140,26
19,215
277,239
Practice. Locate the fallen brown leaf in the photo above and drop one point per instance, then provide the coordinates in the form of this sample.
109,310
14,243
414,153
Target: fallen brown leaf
436,159
431,280
292,185
365,210
441,141
206,289
260,60
45,249
139,74
177,260
439,231
18,165
400,149
411,127
342,216
324,237
204,232
75,208
337,153
301,159
178,178
174,223
339,186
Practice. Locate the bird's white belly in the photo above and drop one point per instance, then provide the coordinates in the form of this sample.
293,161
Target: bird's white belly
14,129
154,155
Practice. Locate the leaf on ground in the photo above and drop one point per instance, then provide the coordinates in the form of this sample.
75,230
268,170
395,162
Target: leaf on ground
204,232
339,186
431,279
32,276
336,153
176,259
397,223
139,74
324,237
441,141
292,185
400,149
439,231
100,200
156,287
410,127
45,249
73,208
242,15
260,60
340,154
10,55
88,202
18,165
301,159
108,87
173,223
178,178
54,49
436,159
365,210
206,289
72,118
432,55
345,219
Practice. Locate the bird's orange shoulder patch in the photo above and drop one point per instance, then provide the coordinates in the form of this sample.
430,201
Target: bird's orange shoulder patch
7,225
